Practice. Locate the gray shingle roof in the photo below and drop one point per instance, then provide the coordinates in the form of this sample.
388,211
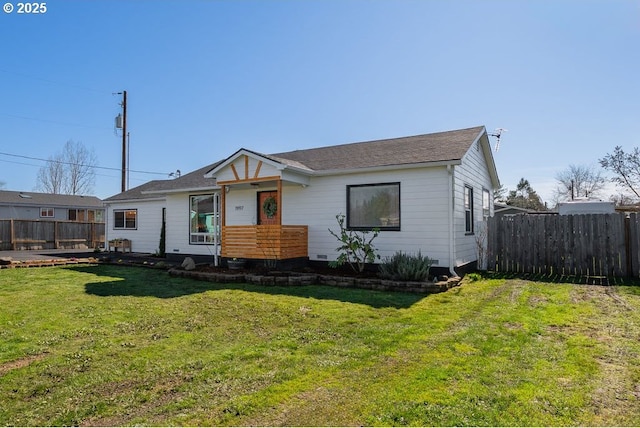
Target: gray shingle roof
13,198
152,189
438,147
426,148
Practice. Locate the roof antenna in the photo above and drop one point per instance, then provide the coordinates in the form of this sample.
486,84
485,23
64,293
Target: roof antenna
498,133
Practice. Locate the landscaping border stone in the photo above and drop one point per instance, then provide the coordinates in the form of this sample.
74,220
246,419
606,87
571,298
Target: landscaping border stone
298,279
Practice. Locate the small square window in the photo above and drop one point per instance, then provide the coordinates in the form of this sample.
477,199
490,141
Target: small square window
47,212
125,219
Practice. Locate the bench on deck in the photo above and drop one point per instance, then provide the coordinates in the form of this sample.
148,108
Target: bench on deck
29,243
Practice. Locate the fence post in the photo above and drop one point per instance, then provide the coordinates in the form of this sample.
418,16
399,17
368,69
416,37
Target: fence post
627,245
13,236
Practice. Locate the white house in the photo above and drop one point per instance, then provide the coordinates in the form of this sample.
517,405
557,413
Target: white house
427,193
586,206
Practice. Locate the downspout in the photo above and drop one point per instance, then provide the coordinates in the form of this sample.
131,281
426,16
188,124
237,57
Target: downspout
452,235
106,226
216,226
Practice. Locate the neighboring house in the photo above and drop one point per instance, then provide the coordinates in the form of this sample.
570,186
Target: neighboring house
586,206
425,193
36,221
47,206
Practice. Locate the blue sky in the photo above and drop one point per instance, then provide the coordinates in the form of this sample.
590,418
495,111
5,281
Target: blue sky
205,78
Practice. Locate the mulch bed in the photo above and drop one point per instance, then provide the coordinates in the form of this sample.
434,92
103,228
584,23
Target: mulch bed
313,276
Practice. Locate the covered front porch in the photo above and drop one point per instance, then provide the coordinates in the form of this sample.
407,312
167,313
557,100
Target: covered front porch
251,200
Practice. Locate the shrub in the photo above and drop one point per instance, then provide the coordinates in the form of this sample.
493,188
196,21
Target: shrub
473,277
356,248
406,267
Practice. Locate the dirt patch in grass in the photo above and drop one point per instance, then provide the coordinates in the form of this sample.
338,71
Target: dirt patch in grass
20,363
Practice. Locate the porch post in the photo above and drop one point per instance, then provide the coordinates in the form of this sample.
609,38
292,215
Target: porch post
223,193
279,202
223,209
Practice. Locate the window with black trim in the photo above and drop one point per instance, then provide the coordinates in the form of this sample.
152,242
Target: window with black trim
204,216
373,206
468,209
125,219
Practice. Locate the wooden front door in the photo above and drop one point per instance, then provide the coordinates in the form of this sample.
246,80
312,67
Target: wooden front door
268,207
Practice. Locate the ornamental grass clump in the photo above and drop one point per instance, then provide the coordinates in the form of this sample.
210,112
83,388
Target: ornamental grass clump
406,267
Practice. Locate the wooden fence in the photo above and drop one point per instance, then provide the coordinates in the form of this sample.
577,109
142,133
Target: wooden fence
50,234
590,245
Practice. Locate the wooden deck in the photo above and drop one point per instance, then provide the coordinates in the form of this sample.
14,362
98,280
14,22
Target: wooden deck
270,242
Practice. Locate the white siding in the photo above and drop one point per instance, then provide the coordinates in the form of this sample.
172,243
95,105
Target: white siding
146,237
177,235
473,173
423,212
241,205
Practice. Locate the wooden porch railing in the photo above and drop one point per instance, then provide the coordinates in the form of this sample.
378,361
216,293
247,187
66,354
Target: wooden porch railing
271,242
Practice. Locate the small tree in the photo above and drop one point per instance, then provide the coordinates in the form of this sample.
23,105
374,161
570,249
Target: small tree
525,197
70,172
356,248
51,176
625,167
578,181
500,194
162,246
80,175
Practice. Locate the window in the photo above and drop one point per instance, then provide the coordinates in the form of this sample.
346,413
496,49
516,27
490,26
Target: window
96,216
486,203
47,212
468,210
125,219
373,206
77,215
204,215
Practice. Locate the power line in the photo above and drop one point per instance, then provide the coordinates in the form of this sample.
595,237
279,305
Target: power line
97,175
71,85
90,166
56,122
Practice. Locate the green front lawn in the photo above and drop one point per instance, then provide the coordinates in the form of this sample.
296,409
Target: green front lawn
110,345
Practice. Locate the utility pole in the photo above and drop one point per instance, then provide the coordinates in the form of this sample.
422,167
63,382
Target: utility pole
124,140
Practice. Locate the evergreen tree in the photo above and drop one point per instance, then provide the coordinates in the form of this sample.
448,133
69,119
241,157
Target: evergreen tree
525,197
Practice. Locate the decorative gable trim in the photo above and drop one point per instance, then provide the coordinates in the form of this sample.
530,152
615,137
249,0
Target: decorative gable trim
246,166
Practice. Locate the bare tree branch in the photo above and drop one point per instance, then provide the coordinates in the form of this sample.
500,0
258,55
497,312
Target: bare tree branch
626,167
51,176
579,181
70,172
